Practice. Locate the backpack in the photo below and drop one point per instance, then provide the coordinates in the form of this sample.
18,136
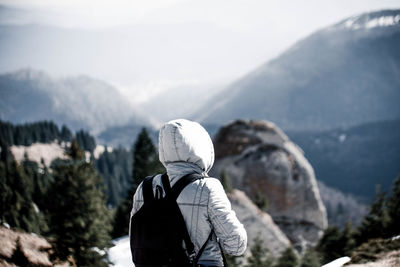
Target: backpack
159,236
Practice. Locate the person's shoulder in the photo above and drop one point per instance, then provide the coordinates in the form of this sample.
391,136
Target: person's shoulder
211,180
212,183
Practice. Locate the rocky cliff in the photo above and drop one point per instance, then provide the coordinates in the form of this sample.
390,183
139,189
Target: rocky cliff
262,161
258,223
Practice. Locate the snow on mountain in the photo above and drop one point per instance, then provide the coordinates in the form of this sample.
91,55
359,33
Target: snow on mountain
49,152
368,21
38,151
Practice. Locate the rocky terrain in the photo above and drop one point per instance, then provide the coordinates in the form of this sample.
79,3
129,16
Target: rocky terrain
33,250
261,160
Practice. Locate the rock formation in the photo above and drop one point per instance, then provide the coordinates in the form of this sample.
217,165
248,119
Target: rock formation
33,250
262,161
258,223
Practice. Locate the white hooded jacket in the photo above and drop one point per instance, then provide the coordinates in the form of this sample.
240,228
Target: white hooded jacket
184,148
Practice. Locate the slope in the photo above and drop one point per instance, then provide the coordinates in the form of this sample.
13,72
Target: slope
343,75
79,102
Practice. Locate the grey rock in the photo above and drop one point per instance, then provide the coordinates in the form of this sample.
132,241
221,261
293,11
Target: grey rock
262,161
258,223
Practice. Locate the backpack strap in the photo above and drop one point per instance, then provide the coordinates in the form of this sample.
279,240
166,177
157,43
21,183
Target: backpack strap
204,246
148,189
173,194
165,182
182,183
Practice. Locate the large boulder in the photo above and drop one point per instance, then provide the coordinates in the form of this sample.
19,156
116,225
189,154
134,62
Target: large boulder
261,160
258,223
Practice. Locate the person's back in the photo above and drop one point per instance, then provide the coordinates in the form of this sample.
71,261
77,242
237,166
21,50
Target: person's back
186,148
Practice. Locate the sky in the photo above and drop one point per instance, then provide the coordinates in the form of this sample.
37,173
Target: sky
204,45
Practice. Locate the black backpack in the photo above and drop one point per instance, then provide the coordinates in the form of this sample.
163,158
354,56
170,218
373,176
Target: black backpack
159,236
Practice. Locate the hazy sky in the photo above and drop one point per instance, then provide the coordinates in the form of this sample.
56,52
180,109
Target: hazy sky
226,38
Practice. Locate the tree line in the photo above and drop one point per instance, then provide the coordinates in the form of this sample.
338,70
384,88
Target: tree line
114,166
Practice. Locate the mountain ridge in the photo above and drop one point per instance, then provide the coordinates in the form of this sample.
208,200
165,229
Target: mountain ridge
325,80
78,101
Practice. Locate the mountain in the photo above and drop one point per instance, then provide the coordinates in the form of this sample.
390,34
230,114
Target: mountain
340,207
354,160
79,102
178,102
125,135
342,75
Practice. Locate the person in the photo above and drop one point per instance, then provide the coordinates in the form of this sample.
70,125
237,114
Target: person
185,148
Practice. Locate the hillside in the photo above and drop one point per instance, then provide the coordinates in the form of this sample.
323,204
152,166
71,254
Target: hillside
42,144
354,160
340,76
79,102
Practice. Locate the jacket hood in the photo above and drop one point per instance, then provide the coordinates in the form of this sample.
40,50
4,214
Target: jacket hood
183,141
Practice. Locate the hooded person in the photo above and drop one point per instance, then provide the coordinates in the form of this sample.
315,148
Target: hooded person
186,148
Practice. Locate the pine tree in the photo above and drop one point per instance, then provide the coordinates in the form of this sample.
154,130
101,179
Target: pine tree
261,200
145,159
116,169
393,209
288,258
65,134
260,256
79,220
233,261
226,182
375,222
17,207
347,239
329,245
40,183
145,163
310,259
335,243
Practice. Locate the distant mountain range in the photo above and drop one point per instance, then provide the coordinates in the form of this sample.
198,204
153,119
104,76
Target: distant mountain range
335,93
79,102
343,75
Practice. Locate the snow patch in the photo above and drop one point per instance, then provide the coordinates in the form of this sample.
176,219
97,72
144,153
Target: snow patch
356,23
395,237
338,262
383,21
49,152
100,150
99,251
120,253
38,151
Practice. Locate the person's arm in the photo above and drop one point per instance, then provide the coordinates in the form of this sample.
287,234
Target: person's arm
227,227
137,204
